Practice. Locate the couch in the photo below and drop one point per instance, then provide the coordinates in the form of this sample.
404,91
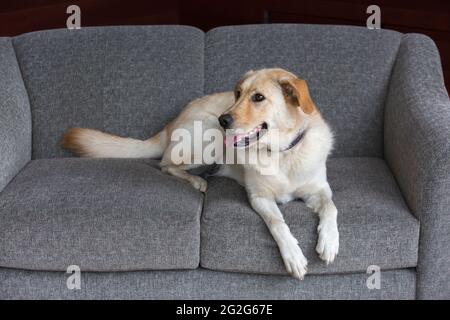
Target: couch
136,233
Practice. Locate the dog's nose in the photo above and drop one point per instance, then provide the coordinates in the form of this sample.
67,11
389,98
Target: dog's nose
226,121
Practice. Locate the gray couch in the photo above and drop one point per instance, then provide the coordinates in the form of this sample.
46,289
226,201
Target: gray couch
138,233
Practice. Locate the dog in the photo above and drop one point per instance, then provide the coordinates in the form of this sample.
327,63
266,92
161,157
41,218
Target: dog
264,102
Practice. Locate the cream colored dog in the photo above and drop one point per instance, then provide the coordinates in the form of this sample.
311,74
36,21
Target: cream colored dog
265,103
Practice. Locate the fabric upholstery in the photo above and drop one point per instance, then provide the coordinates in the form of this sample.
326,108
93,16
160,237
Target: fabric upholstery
15,117
375,225
202,284
99,214
347,70
124,80
417,142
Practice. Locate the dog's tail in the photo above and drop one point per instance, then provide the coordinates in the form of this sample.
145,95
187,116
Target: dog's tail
96,144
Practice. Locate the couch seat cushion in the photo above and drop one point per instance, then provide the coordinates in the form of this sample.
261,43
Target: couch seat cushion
99,214
376,227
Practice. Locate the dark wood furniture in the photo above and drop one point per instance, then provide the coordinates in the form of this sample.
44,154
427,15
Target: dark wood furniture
429,17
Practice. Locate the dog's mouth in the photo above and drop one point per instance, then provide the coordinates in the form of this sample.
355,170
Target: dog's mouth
246,139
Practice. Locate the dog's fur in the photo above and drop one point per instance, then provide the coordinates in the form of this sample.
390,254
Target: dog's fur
288,108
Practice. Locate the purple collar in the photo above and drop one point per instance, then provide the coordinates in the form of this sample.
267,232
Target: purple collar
294,142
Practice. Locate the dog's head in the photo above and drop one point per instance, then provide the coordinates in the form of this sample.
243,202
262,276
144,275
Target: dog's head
267,99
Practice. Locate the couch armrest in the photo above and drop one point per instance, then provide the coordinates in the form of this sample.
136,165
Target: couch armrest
15,116
417,149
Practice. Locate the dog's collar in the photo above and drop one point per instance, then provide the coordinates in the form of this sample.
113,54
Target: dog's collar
294,142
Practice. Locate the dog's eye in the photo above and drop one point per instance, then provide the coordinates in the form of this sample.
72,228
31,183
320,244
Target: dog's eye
237,94
258,97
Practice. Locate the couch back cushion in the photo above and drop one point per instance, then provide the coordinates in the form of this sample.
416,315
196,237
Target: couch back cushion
123,80
347,69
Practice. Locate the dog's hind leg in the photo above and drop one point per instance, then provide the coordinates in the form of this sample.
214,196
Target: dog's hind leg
180,172
180,168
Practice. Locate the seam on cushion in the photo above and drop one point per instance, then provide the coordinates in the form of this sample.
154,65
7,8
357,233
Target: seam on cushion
390,84
28,95
205,195
14,178
416,294
411,269
388,91
333,273
199,214
144,269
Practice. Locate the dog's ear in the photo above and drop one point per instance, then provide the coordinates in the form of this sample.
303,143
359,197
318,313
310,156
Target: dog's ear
296,93
242,79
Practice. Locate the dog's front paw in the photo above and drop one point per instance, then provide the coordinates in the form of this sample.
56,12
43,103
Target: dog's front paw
294,260
328,243
198,183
